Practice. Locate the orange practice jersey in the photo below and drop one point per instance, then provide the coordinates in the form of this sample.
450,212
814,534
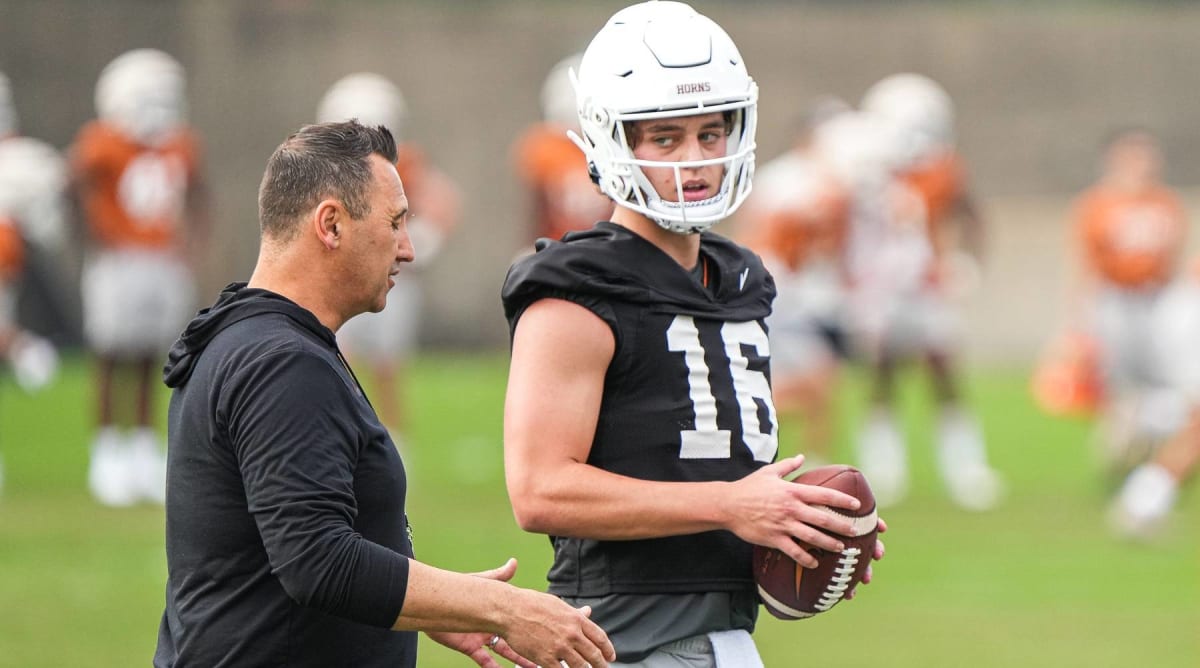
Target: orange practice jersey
798,213
413,170
796,235
432,197
555,170
1131,239
134,196
12,250
939,184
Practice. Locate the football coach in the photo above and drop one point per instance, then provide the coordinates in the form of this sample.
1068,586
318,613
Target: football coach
286,536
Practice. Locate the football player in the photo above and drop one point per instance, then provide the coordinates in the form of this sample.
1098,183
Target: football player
137,174
553,169
639,426
386,340
33,179
1130,231
1150,491
796,220
906,288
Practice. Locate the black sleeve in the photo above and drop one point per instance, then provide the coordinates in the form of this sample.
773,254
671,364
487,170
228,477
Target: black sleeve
292,421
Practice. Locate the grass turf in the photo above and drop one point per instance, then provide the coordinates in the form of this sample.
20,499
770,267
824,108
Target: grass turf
1038,582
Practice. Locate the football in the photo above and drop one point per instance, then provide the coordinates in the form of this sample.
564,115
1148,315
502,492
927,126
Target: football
790,591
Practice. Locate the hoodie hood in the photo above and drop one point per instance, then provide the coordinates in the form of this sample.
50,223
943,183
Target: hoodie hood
235,304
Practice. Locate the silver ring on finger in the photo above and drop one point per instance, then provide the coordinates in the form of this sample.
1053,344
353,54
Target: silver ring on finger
492,643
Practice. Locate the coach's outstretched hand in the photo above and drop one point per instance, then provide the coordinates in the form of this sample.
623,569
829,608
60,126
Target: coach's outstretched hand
480,613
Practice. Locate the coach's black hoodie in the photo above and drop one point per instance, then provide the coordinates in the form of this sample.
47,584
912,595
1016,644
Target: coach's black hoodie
287,543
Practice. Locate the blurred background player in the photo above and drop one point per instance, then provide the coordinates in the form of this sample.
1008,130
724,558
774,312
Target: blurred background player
1130,231
562,196
1149,492
137,175
33,181
906,280
796,220
385,341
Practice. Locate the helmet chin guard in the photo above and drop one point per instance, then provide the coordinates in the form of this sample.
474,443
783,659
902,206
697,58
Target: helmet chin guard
663,60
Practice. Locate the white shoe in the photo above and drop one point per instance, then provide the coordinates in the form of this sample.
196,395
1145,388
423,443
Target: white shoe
962,461
34,361
977,488
883,460
1145,501
148,466
109,472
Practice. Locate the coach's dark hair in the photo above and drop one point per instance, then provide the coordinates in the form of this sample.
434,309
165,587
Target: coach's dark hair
320,161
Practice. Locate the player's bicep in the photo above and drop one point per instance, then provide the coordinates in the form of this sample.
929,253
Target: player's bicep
560,355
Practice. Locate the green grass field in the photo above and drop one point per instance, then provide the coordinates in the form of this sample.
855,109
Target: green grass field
1037,583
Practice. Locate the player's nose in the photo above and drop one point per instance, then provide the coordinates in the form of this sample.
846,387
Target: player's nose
692,150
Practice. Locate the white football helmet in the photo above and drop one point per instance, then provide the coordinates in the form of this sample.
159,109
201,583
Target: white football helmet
920,110
859,149
664,60
558,95
369,97
33,184
8,111
142,93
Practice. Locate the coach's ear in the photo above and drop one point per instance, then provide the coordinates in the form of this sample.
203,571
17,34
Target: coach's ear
328,220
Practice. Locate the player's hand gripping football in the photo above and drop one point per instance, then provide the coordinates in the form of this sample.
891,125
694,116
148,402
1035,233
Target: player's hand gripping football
765,509
876,556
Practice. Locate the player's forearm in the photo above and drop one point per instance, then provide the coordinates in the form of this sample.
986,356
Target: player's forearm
583,501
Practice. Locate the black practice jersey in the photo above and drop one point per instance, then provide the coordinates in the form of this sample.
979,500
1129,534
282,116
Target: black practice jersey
687,396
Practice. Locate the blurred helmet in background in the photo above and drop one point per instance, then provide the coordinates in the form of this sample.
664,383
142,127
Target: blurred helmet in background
371,98
919,109
859,148
558,95
663,60
142,93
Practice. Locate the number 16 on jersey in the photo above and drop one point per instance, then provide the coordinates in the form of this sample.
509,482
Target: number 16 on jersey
749,394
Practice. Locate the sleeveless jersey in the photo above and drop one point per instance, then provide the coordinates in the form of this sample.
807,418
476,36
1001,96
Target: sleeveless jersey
687,395
134,196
